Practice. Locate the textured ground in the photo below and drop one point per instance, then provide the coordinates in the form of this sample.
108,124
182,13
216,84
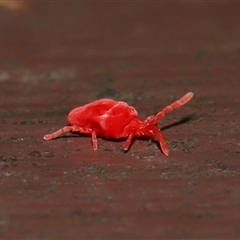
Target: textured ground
57,56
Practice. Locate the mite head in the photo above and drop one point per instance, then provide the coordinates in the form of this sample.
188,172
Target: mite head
148,128
145,128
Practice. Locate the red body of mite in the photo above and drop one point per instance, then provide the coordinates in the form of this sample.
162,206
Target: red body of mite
115,120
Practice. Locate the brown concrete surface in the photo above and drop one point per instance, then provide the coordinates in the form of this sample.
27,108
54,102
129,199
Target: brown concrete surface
57,56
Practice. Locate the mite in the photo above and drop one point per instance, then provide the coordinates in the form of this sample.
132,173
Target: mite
116,120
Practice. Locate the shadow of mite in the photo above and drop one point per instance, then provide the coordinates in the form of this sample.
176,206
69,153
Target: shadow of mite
183,120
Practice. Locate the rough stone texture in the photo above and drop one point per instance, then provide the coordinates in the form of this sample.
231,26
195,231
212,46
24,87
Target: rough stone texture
56,56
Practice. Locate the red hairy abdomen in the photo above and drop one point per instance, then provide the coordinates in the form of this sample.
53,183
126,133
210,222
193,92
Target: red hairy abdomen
106,117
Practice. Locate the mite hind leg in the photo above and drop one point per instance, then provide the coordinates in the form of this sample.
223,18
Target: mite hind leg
128,142
88,131
58,133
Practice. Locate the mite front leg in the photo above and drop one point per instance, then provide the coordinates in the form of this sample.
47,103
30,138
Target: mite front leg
162,142
174,105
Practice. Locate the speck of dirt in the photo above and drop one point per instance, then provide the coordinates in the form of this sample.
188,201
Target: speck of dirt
3,159
45,153
13,113
108,93
15,139
35,154
56,112
30,122
8,161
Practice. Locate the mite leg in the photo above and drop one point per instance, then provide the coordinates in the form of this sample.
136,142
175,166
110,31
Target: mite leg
90,132
162,142
94,140
174,105
74,129
128,142
58,132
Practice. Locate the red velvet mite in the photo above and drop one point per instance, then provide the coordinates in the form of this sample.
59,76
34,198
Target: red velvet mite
115,120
